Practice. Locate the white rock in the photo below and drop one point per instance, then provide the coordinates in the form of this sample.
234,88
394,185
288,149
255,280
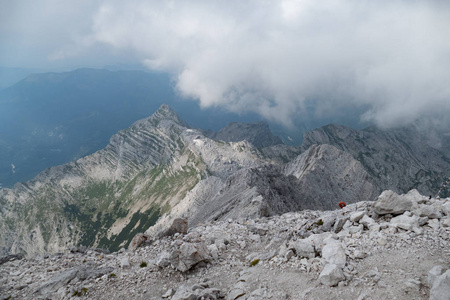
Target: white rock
446,208
163,259
303,248
214,251
434,223
434,273
405,222
188,255
359,254
168,294
445,222
428,211
319,240
356,216
331,275
125,262
355,229
347,224
367,221
390,202
334,253
441,287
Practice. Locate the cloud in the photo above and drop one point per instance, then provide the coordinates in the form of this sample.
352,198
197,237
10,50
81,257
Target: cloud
277,57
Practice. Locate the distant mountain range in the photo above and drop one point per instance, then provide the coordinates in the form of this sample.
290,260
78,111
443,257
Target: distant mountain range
160,168
49,119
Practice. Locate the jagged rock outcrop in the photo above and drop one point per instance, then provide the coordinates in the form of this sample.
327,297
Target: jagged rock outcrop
104,199
160,169
397,159
327,175
379,261
318,178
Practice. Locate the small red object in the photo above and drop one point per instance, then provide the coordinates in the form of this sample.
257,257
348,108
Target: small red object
342,204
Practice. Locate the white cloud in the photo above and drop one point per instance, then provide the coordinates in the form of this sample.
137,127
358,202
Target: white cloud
271,57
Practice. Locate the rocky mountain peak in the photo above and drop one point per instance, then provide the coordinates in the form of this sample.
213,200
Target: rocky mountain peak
385,153
165,116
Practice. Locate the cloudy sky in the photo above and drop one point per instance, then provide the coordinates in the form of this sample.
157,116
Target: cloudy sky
390,58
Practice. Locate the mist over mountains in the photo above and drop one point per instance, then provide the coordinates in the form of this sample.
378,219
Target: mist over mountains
48,119
161,168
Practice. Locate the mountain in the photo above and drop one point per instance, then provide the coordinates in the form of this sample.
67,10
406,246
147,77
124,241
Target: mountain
142,173
398,159
258,134
49,119
160,169
53,118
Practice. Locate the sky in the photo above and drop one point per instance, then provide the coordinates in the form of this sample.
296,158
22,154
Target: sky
388,59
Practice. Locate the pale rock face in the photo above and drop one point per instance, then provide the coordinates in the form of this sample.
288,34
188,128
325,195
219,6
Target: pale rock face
398,159
446,208
428,211
189,254
331,275
328,175
405,222
320,240
389,202
356,216
367,221
303,248
333,253
441,287
434,273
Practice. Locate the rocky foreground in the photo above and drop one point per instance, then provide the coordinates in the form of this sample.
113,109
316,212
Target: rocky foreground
395,248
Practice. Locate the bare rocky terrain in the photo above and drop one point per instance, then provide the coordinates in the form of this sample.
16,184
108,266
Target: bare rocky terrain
397,247
227,219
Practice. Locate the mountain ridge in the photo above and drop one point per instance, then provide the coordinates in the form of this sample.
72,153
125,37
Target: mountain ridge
160,169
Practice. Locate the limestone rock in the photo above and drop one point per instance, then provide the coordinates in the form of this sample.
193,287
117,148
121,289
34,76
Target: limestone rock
331,275
434,273
340,222
446,208
334,253
179,225
441,287
405,222
196,292
428,211
392,156
356,216
188,255
367,221
137,241
125,262
163,259
324,174
445,222
303,248
389,202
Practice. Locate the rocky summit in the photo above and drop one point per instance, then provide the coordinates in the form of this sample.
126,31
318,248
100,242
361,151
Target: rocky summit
160,169
397,247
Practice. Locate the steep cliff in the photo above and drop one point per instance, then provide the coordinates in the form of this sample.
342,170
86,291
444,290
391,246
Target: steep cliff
397,159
